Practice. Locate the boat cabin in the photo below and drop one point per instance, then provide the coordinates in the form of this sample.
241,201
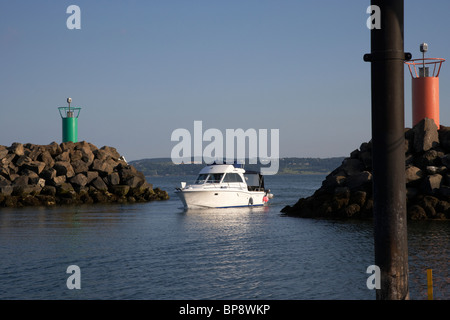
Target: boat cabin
220,174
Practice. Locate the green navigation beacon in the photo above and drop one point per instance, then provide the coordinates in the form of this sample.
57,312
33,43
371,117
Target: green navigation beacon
69,117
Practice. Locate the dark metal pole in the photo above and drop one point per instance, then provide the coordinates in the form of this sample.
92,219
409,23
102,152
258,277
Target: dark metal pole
388,157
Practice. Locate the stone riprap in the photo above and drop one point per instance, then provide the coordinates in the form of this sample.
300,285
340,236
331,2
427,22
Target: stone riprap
69,173
347,191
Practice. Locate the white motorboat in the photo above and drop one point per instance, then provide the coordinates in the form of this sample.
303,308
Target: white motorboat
224,186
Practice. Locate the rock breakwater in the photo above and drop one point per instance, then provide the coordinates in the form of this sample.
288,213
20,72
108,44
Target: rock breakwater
347,191
69,173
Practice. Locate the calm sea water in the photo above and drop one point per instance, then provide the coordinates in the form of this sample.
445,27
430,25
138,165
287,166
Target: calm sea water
160,251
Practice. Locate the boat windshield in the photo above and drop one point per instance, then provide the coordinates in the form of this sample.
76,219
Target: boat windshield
212,178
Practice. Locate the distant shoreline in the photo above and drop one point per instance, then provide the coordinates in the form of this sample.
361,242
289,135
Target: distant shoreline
277,174
161,167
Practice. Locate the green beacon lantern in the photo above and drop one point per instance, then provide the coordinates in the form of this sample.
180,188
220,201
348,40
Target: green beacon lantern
69,117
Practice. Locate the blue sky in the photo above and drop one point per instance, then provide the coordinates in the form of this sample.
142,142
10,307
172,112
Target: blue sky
141,69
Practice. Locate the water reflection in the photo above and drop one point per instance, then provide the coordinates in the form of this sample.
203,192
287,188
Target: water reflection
218,215
429,248
226,211
161,251
64,217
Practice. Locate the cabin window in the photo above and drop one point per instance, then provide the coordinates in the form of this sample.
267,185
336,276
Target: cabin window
232,177
201,179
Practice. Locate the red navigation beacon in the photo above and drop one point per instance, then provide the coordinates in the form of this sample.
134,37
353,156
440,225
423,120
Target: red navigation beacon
425,87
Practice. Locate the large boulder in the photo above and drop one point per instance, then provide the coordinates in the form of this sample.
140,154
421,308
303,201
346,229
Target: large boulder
47,159
64,168
444,138
120,190
48,174
79,180
80,166
56,181
413,173
35,166
113,179
17,149
3,152
85,149
425,135
99,184
102,167
431,183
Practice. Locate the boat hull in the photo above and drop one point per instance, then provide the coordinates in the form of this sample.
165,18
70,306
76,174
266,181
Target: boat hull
221,198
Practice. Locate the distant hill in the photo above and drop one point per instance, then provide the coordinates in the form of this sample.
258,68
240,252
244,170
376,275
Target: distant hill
165,166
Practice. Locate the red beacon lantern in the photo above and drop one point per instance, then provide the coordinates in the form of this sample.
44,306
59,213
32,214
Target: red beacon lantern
425,87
